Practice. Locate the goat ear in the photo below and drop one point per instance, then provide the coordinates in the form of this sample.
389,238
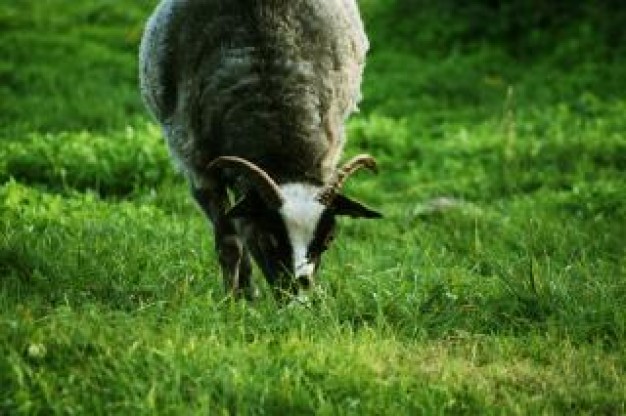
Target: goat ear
344,206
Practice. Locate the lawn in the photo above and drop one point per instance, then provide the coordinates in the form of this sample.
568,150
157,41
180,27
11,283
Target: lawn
495,284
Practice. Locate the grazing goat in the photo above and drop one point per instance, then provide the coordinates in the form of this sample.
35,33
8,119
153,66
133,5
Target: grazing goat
252,96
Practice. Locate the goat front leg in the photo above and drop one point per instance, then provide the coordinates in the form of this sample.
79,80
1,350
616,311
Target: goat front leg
232,253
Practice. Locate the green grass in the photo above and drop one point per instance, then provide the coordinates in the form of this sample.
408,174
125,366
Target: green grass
494,285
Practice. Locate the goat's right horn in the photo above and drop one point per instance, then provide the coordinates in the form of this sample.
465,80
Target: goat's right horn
263,183
342,174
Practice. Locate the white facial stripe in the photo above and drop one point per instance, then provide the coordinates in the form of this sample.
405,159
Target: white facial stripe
301,213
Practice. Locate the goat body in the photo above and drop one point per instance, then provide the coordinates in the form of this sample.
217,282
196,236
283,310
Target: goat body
268,84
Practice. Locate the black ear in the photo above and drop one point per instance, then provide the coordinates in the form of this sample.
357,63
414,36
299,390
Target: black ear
345,206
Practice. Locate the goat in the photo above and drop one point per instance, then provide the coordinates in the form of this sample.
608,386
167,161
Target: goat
252,96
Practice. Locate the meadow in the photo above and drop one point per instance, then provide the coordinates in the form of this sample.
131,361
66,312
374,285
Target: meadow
495,284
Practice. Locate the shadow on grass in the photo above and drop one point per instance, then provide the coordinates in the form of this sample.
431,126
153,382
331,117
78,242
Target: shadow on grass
28,278
510,308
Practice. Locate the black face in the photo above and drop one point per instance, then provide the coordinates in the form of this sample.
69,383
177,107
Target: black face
269,243
267,238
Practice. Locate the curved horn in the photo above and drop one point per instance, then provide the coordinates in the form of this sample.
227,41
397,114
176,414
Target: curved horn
327,195
263,183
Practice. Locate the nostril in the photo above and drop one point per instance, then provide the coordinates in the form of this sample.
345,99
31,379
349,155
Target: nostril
304,282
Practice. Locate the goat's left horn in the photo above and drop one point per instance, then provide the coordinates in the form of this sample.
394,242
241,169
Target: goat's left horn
263,183
327,195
